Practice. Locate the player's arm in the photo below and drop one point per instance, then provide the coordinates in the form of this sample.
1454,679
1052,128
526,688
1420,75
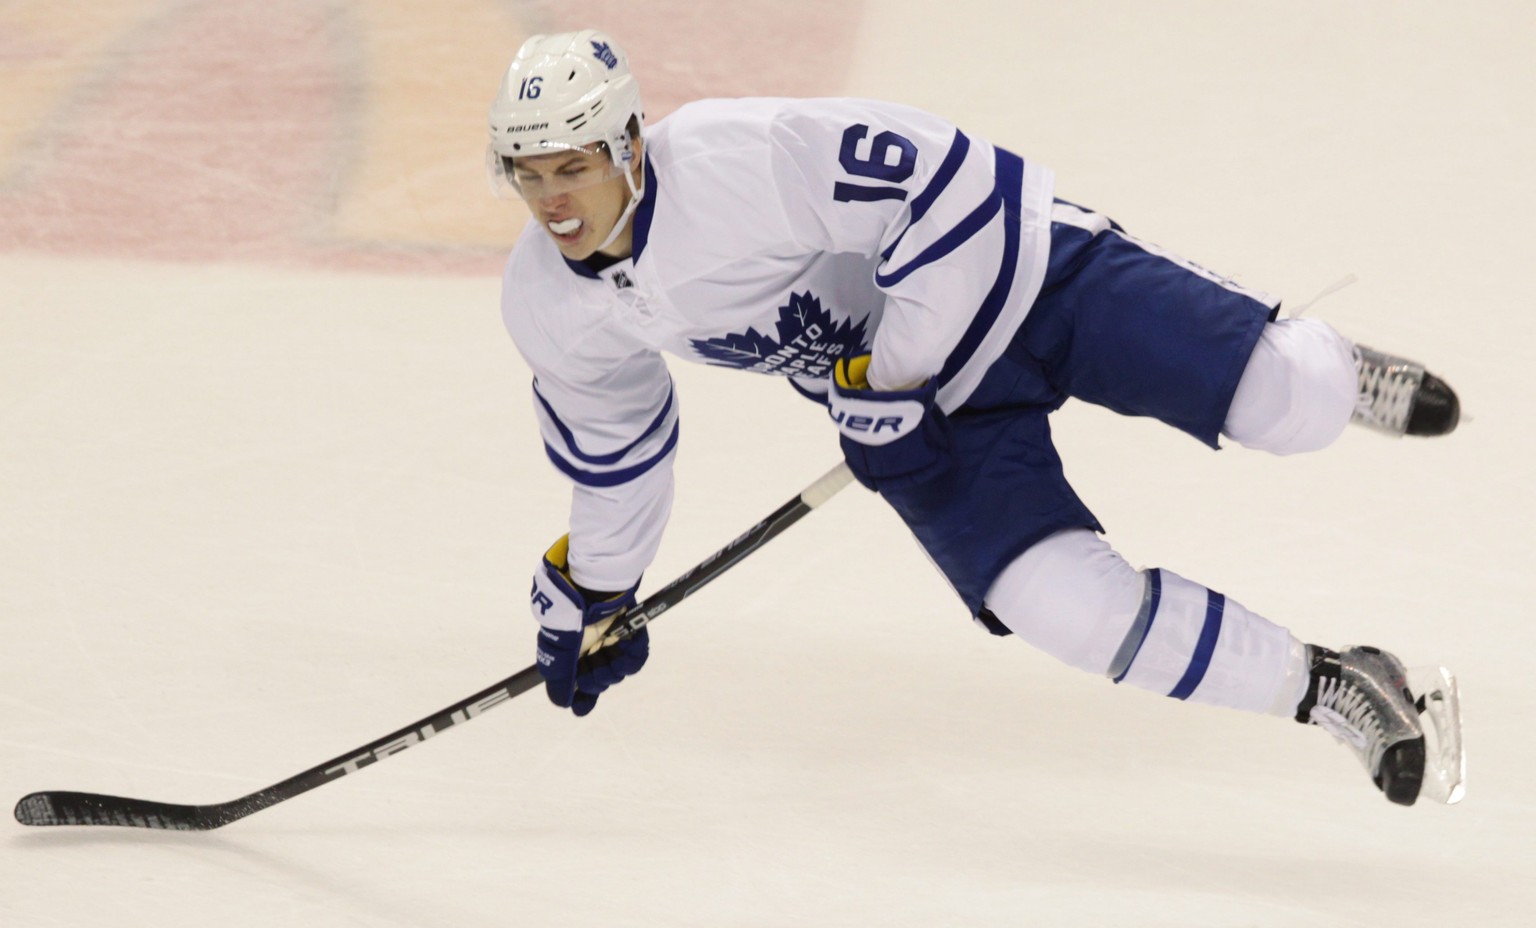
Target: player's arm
608,416
940,212
613,438
952,222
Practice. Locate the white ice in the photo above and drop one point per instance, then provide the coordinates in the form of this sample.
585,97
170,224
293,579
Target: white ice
270,487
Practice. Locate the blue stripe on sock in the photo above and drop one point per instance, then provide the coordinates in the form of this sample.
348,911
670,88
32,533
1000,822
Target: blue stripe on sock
1215,605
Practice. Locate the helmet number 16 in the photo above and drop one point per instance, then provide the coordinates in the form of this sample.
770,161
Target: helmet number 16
530,88
891,158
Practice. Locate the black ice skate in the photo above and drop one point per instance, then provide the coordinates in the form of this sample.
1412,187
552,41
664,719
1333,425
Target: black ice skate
1366,699
1399,397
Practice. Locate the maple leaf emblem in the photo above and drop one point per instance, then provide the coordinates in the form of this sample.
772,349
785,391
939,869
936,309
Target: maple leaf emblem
603,52
806,342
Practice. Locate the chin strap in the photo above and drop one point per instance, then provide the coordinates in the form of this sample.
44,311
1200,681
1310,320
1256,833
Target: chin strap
636,194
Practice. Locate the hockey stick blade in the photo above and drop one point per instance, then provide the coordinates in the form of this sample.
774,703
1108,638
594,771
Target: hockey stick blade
65,807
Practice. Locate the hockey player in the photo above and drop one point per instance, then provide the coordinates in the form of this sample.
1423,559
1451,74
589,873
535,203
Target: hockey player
927,287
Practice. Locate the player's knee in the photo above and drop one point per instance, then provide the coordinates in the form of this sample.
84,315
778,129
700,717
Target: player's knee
1071,596
1297,392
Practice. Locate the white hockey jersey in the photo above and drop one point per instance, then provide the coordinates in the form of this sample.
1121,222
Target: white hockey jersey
775,236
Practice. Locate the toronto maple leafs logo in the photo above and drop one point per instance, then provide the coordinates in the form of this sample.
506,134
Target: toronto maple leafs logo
603,52
805,343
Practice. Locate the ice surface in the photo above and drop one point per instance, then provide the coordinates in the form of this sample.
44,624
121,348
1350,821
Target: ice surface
271,487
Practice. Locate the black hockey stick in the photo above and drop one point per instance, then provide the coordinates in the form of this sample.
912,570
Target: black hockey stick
71,808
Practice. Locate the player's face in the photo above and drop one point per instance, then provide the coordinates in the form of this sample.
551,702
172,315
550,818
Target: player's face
577,196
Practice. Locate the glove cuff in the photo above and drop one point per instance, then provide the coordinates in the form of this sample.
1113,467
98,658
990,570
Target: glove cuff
889,437
560,605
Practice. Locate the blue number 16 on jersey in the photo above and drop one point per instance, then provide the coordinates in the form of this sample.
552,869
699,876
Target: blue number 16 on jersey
883,149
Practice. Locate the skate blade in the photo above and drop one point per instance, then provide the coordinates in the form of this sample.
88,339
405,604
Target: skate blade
1445,760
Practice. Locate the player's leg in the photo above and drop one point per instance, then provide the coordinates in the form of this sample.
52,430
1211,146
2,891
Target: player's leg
1124,324
1304,382
1006,529
1297,392
1072,596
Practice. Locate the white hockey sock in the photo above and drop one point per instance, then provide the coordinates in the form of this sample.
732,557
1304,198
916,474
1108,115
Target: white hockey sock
1190,642
1073,597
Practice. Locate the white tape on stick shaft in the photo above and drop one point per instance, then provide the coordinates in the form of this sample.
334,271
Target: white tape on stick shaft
827,487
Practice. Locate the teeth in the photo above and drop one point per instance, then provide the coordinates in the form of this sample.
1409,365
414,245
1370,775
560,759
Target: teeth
565,227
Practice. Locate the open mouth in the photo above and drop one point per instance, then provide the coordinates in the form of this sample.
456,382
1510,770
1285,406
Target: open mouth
566,231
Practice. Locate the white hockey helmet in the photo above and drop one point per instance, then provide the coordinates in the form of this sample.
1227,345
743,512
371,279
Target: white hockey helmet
569,91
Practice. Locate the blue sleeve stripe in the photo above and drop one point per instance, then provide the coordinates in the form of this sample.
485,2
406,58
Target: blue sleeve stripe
1010,183
951,240
1155,579
611,478
924,201
601,460
1215,605
941,178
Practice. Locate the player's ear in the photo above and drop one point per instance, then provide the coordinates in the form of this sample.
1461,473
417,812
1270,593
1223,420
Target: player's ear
636,140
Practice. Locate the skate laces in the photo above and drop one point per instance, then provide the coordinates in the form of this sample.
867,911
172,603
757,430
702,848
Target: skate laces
1345,713
1386,393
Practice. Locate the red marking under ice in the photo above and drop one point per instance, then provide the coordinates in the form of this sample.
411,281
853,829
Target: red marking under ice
225,133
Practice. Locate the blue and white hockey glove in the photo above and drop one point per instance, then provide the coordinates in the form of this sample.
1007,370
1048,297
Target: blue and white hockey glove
890,438
563,611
